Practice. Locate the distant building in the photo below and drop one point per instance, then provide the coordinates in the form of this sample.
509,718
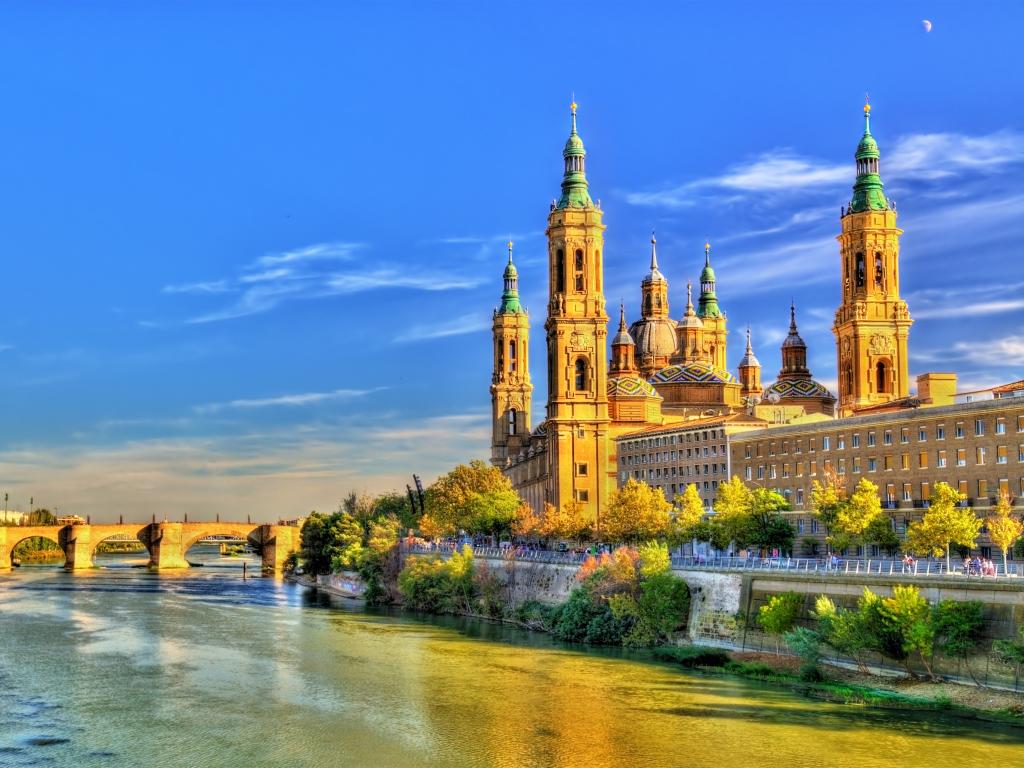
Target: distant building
71,520
10,517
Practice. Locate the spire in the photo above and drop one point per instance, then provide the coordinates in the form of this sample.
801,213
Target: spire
622,337
794,351
793,339
708,304
749,359
574,179
690,318
510,296
792,317
867,191
654,276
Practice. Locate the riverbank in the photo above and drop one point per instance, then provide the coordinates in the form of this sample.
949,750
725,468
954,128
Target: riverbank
845,686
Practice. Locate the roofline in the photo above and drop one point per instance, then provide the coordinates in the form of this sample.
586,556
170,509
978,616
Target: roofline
903,414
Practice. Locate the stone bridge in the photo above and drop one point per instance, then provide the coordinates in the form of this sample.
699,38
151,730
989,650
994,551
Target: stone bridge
166,543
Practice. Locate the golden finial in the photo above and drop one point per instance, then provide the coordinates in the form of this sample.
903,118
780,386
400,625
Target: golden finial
573,105
510,250
867,104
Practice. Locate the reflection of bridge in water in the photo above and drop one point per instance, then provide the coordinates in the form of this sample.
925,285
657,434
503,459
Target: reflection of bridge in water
166,543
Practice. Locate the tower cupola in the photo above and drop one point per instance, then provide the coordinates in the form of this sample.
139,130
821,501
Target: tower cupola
623,349
708,304
510,296
868,194
794,351
575,192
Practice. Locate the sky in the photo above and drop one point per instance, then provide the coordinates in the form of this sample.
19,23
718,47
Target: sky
250,250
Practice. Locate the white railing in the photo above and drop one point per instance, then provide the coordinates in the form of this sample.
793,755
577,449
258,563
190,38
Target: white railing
824,566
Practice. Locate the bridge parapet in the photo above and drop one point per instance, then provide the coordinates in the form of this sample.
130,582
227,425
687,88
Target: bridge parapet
167,543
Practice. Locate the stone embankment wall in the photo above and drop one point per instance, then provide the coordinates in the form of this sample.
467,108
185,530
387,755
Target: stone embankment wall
344,584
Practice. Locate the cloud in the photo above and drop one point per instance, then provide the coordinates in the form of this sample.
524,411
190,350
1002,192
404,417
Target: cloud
919,156
803,262
809,216
460,325
334,251
212,286
305,398
965,301
278,473
1006,351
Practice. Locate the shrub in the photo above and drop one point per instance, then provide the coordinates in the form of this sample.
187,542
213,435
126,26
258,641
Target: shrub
806,643
691,656
439,586
779,614
582,619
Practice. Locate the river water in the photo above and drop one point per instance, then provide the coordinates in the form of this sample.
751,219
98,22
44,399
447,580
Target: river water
121,667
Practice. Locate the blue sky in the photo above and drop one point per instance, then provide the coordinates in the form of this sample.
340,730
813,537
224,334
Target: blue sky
251,249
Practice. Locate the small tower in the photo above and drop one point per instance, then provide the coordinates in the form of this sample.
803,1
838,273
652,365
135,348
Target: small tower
873,322
654,333
623,363
577,341
750,373
690,332
510,382
711,315
794,351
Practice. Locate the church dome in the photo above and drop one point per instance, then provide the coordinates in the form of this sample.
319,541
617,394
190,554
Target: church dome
798,388
630,386
654,336
694,372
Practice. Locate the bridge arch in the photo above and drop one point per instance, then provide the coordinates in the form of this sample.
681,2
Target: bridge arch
193,533
15,535
139,533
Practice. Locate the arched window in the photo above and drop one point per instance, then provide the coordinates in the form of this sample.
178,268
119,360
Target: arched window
499,353
560,271
581,375
861,271
647,304
882,378
512,355
511,421
879,270
579,271
848,379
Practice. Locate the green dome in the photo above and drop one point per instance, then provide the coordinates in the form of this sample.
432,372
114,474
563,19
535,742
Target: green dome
868,191
511,271
707,275
868,147
574,145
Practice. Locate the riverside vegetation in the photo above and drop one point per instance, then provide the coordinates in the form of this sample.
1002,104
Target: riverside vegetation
629,596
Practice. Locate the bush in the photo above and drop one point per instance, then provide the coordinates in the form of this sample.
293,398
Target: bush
582,619
439,586
691,656
779,614
749,669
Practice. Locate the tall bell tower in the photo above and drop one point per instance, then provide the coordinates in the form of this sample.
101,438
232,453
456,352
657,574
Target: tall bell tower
873,322
577,328
510,382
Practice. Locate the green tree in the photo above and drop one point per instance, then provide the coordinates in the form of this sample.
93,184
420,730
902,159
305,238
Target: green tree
906,615
41,517
827,499
806,643
662,607
945,524
779,615
396,505
1011,652
958,629
880,532
654,559
768,529
567,523
687,515
859,511
474,497
843,629
358,505
732,520
636,512
1003,528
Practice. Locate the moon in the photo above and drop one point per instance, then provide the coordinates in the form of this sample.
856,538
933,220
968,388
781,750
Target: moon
927,25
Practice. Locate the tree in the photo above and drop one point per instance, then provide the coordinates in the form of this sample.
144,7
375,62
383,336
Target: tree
779,614
1011,652
827,499
958,629
768,528
565,524
41,517
396,505
880,532
359,505
526,522
636,512
688,513
855,515
1003,528
732,513
654,559
474,497
906,615
945,524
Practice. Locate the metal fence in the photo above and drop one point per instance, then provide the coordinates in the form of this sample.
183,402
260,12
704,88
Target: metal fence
824,566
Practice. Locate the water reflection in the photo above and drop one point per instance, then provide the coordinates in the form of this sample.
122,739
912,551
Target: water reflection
123,667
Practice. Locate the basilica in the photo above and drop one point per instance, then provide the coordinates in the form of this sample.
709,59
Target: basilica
662,370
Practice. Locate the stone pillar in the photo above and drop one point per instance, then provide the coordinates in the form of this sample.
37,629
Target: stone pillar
279,541
165,551
5,550
76,541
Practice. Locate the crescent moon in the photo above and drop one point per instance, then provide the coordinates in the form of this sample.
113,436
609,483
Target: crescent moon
927,25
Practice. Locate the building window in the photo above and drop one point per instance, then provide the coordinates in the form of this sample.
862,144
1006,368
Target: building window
856,464
582,469
961,457
579,271
905,461
1000,454
826,443
814,525
746,473
888,463
940,432
959,430
800,501
922,434
583,495
904,436
980,456
512,421
872,465
871,439
940,459
581,374
1020,454
856,441
840,443
887,437
979,427
560,271
907,492
922,460
1000,426
882,382
926,491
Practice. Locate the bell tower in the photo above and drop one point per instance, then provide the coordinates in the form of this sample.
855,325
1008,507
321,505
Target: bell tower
873,322
711,315
577,329
510,381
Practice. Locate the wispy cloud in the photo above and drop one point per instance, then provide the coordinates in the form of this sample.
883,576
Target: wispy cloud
456,327
305,398
1006,351
922,156
966,301
310,272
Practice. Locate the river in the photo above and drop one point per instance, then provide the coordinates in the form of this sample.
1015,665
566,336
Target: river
122,667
